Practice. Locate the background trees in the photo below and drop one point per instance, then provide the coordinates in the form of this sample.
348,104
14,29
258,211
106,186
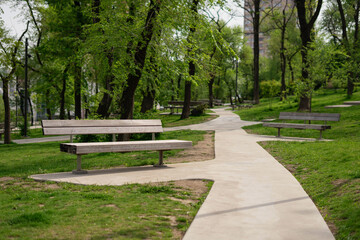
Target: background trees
102,58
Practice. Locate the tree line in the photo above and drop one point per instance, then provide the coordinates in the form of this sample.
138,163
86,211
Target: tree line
110,57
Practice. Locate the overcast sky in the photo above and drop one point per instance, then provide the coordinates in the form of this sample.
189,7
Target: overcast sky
16,24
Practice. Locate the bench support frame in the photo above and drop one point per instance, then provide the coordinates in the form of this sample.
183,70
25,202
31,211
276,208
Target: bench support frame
78,166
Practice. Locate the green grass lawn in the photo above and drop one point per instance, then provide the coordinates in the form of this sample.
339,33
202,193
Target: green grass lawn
328,171
47,210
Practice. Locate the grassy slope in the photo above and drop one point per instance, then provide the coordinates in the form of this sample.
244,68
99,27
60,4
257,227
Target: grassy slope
328,171
43,210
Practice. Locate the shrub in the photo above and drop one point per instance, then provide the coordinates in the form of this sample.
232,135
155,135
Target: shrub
270,88
199,110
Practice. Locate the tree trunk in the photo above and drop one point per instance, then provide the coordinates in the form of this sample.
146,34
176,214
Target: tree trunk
77,91
305,34
283,59
211,94
7,120
187,98
62,94
256,28
178,86
104,105
127,98
148,100
47,103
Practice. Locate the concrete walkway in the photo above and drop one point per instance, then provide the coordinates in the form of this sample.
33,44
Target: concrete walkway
253,197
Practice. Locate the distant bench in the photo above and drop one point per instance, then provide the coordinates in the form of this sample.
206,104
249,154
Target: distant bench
305,117
74,127
172,105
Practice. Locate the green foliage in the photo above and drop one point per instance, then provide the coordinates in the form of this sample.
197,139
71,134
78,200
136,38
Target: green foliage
270,89
199,110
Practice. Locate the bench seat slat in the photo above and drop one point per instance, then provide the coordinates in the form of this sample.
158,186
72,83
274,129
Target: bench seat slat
101,130
297,126
126,146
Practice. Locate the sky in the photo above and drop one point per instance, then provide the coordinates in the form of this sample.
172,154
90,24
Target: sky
14,22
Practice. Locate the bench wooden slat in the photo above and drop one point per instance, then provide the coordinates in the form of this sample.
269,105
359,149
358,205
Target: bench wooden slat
297,126
127,146
101,130
309,116
100,123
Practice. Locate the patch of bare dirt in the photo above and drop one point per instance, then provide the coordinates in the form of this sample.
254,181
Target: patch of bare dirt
196,187
111,206
6,179
202,151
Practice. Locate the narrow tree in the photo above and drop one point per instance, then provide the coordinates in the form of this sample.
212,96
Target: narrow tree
8,57
306,34
133,78
187,98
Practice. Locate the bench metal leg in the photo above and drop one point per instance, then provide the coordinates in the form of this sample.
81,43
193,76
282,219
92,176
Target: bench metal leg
161,163
71,138
279,133
320,135
152,136
113,138
78,166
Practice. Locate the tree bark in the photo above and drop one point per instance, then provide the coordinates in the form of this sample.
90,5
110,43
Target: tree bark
127,98
104,105
77,90
305,34
283,57
187,98
7,129
211,94
62,93
148,100
256,28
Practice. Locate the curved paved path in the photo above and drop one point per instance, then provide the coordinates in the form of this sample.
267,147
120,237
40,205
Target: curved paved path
253,196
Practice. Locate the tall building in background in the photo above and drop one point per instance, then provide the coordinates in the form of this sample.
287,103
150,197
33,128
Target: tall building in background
248,25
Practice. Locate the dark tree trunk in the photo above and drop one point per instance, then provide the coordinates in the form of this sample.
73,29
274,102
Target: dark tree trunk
7,120
351,50
305,34
211,94
62,94
127,98
47,103
187,98
77,90
104,105
148,100
283,58
178,86
256,28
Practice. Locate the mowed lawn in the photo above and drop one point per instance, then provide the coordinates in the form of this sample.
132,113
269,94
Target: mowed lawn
48,210
328,171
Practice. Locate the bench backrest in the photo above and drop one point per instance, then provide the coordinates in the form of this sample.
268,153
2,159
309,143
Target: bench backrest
122,126
192,103
309,116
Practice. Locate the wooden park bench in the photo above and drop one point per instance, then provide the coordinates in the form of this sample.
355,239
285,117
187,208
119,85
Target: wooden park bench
172,105
305,117
74,127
